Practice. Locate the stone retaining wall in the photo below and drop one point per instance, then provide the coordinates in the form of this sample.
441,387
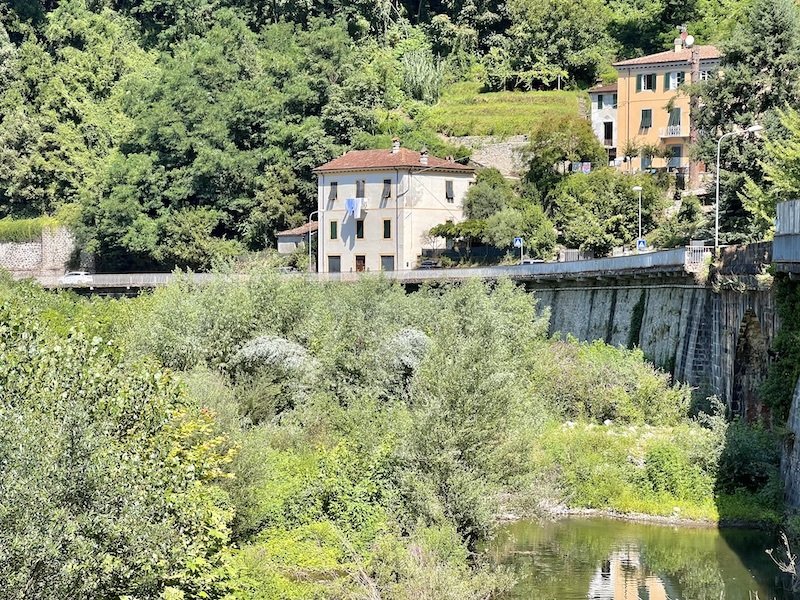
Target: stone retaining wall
504,154
48,256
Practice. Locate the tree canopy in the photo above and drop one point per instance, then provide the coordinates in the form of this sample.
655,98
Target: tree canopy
759,75
196,123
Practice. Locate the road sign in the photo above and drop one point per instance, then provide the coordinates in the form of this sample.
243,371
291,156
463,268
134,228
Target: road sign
517,242
641,244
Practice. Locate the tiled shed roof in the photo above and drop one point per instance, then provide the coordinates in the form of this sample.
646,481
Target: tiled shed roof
302,230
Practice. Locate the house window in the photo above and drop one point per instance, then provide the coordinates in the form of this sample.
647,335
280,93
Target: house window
705,75
646,82
361,263
387,229
647,118
608,133
387,189
387,263
675,117
448,191
614,101
647,161
334,264
360,185
676,156
334,193
360,229
334,230
674,79
600,102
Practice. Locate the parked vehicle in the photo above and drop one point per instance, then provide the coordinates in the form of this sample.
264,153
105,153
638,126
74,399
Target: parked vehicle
76,278
428,264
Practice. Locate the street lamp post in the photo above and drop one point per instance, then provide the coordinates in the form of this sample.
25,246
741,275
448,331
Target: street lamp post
316,212
638,188
755,128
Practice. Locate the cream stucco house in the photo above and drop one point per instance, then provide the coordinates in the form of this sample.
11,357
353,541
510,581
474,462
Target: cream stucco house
376,207
604,117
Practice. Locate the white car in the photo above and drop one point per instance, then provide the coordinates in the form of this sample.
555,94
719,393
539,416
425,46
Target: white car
76,278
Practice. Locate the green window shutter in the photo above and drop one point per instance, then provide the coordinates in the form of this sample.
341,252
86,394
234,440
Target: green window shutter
638,83
647,118
599,101
666,80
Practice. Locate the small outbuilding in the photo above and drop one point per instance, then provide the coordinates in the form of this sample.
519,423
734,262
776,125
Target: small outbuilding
291,239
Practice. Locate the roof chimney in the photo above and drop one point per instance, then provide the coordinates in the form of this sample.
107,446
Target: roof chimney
423,157
395,145
678,44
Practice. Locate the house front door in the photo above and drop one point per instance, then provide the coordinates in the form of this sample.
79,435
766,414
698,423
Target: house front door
361,263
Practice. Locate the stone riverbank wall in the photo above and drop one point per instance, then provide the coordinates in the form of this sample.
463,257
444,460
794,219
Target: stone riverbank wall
49,255
713,335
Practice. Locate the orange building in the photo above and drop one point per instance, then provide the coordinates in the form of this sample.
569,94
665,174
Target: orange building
654,120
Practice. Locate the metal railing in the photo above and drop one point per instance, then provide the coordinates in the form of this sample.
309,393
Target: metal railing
673,131
685,259
697,257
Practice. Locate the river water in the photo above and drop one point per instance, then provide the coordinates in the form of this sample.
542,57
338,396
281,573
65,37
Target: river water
605,559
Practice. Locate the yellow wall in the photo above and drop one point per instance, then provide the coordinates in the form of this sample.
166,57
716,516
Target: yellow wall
630,106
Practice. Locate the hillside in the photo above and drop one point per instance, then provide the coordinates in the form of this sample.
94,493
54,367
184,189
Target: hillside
464,110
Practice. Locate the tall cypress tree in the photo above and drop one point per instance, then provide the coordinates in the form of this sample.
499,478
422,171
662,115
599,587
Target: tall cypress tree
760,73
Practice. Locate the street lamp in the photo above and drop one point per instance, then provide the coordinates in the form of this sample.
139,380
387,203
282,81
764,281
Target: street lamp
316,212
754,128
638,188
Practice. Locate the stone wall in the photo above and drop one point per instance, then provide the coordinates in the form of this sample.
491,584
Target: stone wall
504,154
715,337
790,460
50,255
669,320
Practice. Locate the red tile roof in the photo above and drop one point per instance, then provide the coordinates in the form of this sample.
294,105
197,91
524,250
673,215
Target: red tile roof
363,160
684,55
609,87
302,230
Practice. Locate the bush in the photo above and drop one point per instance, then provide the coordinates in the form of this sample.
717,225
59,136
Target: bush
597,382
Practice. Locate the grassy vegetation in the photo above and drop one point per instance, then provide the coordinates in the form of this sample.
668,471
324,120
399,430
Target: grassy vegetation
464,110
24,230
664,471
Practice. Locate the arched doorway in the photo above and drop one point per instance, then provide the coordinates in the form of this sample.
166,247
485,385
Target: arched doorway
749,370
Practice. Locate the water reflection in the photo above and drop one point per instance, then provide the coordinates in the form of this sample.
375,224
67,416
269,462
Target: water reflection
602,559
623,577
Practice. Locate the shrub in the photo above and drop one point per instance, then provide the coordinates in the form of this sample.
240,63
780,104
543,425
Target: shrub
24,230
598,382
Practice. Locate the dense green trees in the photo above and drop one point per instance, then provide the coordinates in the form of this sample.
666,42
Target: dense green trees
599,211
186,130
759,75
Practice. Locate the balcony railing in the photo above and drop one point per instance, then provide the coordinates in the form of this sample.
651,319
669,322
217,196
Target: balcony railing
674,131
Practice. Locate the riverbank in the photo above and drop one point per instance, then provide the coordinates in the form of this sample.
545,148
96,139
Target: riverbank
705,473
559,511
